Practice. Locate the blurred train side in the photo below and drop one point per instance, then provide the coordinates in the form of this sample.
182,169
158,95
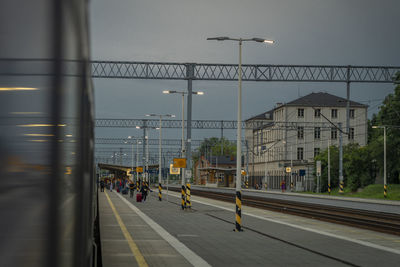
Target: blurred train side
48,186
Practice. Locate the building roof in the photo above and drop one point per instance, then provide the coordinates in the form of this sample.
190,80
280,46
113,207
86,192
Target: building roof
323,100
268,115
311,100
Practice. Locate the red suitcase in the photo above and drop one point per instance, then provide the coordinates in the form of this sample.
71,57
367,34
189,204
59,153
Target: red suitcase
139,197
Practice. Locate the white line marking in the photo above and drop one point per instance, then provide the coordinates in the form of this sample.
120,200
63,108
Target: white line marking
364,243
188,254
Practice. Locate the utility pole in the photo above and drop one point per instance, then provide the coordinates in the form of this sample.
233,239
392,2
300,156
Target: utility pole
341,183
329,167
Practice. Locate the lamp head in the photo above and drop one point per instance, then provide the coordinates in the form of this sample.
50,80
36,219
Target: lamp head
168,92
221,38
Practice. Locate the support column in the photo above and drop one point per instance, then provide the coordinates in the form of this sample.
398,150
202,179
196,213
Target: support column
348,101
341,182
144,149
189,75
222,136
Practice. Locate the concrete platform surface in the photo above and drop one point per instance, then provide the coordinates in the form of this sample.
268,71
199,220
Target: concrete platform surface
145,247
206,237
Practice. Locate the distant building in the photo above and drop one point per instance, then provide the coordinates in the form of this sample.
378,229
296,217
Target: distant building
215,171
294,133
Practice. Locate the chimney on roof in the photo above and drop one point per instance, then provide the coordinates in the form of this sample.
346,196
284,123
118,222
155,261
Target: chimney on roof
278,104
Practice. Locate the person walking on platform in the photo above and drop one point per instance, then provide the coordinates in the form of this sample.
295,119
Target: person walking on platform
283,186
102,186
143,190
132,188
111,186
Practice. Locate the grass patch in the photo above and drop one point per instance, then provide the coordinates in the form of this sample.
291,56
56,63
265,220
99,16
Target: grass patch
374,191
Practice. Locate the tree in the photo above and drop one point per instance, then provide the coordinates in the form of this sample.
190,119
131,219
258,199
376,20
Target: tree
358,167
215,147
388,115
323,157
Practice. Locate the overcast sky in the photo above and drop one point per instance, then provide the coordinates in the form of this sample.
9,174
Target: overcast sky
338,32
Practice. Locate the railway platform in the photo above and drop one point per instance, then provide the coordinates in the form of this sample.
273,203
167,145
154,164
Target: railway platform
160,233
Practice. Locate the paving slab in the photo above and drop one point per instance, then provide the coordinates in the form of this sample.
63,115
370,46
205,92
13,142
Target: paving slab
115,247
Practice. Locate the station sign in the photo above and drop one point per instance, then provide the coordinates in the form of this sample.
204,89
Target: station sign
244,172
188,173
179,163
139,169
173,170
288,169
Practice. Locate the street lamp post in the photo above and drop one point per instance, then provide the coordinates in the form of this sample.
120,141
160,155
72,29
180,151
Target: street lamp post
144,127
137,164
137,155
183,137
126,142
239,123
384,159
159,151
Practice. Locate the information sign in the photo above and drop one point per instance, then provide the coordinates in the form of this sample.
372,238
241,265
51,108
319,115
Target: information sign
179,163
173,170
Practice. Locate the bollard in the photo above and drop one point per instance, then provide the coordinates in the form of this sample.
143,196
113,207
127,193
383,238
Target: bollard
183,197
238,221
341,186
385,190
329,189
159,191
188,203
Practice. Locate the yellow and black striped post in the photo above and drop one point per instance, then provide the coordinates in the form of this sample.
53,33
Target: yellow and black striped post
329,189
247,184
183,197
341,186
137,186
291,186
159,192
385,190
238,221
188,203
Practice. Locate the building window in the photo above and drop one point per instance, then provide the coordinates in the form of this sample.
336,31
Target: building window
351,133
300,132
317,132
351,113
316,151
300,112
317,113
333,133
334,113
300,153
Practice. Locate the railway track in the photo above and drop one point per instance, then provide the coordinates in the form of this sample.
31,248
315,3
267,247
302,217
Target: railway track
372,220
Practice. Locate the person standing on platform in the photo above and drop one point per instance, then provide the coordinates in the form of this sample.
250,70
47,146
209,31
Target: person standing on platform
131,188
102,186
111,186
